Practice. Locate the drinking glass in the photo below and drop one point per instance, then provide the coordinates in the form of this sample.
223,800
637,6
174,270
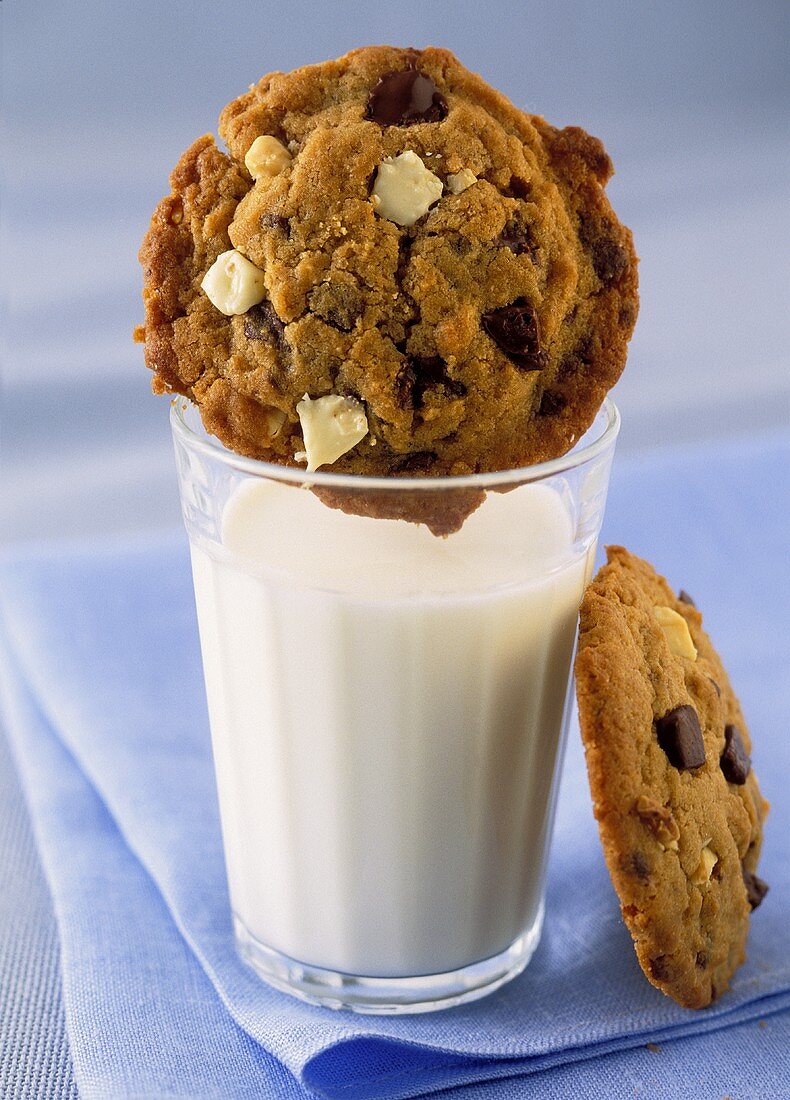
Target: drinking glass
388,702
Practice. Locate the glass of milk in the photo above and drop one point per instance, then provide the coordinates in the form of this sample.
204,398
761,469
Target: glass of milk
388,710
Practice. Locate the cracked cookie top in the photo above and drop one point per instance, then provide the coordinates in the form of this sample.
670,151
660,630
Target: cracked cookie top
390,248
677,802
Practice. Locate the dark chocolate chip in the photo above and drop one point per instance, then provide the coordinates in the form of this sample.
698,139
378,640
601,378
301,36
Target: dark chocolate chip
680,736
756,889
576,361
518,238
418,463
404,385
276,221
609,259
343,319
638,866
338,305
518,188
461,245
515,330
403,98
551,403
735,762
659,968
404,256
262,323
702,959
684,597
421,373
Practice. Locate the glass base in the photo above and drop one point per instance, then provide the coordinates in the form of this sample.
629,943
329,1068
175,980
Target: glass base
387,996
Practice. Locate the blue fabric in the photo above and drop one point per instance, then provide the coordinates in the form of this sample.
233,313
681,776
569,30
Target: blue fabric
34,1053
103,698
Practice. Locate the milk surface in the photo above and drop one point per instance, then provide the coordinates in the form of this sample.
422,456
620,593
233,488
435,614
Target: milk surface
386,708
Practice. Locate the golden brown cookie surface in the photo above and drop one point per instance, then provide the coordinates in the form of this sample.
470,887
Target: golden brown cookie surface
415,244
678,806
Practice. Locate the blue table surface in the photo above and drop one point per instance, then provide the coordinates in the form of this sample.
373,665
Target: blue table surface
34,1053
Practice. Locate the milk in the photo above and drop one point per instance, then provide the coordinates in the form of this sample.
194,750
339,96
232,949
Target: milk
386,709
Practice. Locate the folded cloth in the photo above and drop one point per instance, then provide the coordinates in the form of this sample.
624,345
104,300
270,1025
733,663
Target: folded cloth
102,669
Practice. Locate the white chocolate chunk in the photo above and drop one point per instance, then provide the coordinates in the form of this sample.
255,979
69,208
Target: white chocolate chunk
266,157
404,188
331,426
459,181
708,860
233,284
676,632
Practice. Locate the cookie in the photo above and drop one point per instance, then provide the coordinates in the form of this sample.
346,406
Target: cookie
391,270
677,802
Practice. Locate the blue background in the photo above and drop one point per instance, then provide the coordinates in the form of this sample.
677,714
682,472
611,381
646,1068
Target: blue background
101,97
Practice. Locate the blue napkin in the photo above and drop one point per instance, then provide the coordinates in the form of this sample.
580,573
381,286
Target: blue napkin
104,702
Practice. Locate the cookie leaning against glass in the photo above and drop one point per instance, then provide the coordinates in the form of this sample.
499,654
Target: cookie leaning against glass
392,271
677,802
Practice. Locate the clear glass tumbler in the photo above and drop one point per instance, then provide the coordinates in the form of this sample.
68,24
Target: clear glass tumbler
387,710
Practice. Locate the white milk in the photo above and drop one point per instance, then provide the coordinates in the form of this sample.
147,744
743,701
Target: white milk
385,736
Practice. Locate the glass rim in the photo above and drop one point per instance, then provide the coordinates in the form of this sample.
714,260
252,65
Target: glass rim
575,457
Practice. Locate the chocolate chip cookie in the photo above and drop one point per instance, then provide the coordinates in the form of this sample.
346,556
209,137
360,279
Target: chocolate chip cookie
677,802
391,269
